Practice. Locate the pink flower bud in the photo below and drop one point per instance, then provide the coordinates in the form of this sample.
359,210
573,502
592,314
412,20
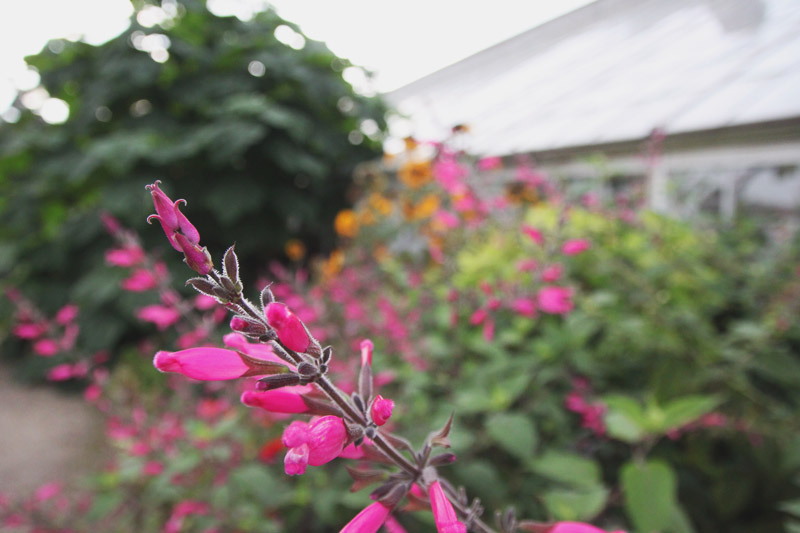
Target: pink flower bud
197,258
575,246
289,328
381,410
443,513
162,316
276,401
205,364
366,352
165,208
555,300
534,234
369,520
186,227
29,330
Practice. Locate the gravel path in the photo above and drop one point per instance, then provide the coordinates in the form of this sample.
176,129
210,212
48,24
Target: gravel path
44,436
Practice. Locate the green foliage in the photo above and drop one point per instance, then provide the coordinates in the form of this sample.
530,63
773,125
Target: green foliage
264,158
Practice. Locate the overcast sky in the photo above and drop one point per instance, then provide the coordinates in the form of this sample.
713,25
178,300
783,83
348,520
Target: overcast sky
399,41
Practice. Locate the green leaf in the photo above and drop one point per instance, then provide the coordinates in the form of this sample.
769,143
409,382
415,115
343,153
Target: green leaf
513,432
684,410
649,490
567,468
625,419
575,505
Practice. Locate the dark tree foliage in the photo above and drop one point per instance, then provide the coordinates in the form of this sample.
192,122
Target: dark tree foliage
263,157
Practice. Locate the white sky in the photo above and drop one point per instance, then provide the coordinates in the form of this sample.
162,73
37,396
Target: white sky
399,41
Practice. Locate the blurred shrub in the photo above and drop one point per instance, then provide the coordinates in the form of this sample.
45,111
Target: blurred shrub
260,135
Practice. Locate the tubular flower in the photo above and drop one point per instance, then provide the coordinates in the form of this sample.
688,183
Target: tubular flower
289,328
555,300
284,400
381,410
313,444
368,520
210,364
443,513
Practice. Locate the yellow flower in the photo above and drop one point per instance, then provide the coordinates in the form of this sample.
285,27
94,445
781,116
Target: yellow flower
333,265
424,209
295,249
381,204
346,223
415,174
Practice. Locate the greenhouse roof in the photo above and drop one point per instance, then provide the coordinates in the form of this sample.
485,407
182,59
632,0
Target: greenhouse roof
616,69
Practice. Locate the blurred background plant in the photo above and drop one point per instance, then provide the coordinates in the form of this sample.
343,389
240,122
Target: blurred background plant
605,363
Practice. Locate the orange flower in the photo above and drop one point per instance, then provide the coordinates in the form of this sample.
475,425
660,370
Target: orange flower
381,253
381,204
346,223
333,265
295,249
415,174
366,218
424,209
411,143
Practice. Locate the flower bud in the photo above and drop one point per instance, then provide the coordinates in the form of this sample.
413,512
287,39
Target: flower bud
381,410
197,258
366,352
290,329
276,401
443,513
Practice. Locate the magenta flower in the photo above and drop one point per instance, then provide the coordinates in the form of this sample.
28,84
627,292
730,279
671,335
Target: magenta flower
61,372
552,273
205,364
141,280
29,330
125,257
67,314
289,328
443,513
555,300
478,317
366,352
284,400
315,444
46,347
534,234
524,306
160,315
381,410
575,246
368,520
489,163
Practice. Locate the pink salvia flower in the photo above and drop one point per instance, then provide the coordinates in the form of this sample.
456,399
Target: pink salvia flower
534,234
125,257
296,460
527,265
205,364
47,491
46,347
197,258
443,513
524,306
575,246
381,410
489,163
165,208
141,280
315,444
61,372
289,328
552,273
29,330
393,526
162,316
277,401
555,300
67,314
369,520
478,317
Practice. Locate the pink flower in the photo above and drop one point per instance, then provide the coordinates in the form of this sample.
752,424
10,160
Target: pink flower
316,443
366,352
61,372
443,513
393,526
29,330
524,306
205,364
67,314
381,410
197,258
152,468
369,520
141,280
289,328
575,246
204,303
534,234
125,257
527,265
555,300
552,273
45,347
256,351
488,330
447,219
478,317
489,163
162,316
284,400
47,491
